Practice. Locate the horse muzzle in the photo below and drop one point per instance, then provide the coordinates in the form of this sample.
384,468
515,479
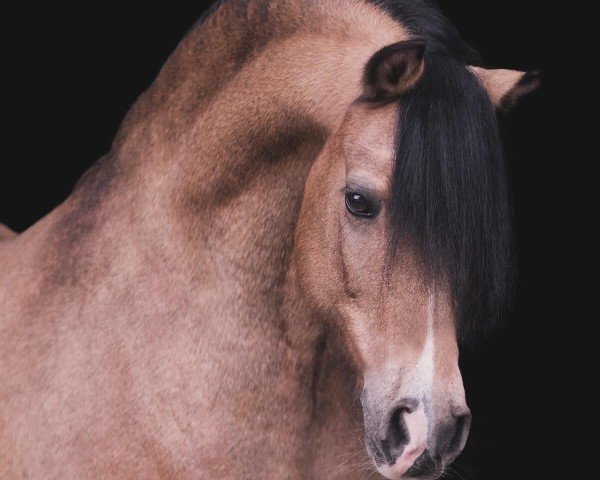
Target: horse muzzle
405,441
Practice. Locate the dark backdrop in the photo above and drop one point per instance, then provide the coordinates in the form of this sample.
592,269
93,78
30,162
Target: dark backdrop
71,73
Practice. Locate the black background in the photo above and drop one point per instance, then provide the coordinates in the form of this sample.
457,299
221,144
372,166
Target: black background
71,74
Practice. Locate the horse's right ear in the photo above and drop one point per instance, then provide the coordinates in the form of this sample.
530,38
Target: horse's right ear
393,70
506,87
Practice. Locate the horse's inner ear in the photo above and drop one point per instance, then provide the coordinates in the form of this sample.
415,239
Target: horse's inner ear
393,70
506,87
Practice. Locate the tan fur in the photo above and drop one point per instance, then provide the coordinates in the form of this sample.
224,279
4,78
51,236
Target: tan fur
152,325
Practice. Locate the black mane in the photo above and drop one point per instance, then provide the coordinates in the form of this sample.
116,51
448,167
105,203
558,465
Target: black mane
450,197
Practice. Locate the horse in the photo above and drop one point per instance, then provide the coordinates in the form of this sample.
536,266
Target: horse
270,273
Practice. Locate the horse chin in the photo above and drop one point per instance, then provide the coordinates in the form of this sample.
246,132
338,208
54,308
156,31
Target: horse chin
418,466
392,473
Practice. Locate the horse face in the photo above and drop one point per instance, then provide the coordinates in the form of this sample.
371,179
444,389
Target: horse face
398,327
398,319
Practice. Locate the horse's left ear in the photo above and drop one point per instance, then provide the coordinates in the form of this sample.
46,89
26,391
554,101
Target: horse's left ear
393,70
506,87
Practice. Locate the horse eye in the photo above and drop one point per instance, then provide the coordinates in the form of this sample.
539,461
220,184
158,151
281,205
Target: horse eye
357,204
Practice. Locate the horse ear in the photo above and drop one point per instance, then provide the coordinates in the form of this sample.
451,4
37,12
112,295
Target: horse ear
393,70
506,87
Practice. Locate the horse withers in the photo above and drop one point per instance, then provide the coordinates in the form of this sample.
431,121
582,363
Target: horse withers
295,228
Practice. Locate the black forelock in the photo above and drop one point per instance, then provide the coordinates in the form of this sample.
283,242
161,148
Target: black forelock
449,190
450,198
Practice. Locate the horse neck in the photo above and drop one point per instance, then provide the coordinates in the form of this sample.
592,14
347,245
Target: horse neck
215,154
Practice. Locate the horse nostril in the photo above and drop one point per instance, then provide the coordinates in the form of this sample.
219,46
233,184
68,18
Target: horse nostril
396,435
459,438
